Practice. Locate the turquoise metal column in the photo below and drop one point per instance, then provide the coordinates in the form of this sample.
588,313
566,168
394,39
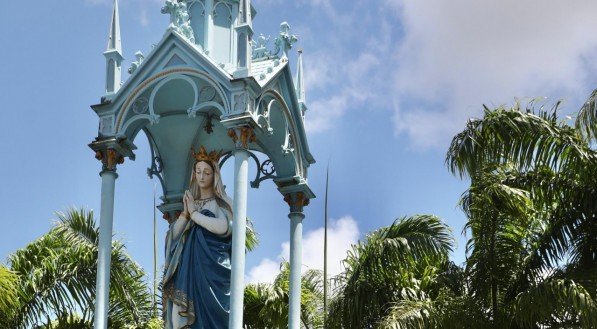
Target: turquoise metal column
105,249
239,228
296,261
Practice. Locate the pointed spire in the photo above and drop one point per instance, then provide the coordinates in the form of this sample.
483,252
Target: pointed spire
114,54
247,11
300,80
114,42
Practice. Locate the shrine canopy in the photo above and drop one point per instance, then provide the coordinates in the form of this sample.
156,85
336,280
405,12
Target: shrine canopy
209,83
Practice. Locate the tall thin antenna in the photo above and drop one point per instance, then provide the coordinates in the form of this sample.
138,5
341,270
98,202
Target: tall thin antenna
325,250
155,255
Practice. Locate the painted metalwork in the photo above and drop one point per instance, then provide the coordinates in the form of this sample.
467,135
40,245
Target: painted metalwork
237,277
283,43
135,65
221,65
157,166
179,18
265,169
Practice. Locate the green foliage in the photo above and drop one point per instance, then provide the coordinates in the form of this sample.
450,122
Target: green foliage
57,275
154,323
8,293
531,236
266,305
586,121
252,238
532,216
394,264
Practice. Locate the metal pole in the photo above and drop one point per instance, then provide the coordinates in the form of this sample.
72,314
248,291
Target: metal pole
155,256
296,255
239,229
104,250
325,252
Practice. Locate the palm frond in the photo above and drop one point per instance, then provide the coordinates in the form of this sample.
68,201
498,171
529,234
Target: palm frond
58,272
561,301
391,262
9,301
252,237
526,138
586,121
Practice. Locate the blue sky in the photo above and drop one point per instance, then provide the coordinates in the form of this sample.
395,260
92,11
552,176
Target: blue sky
388,84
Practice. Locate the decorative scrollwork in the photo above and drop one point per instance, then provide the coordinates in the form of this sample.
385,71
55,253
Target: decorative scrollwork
141,105
265,169
179,18
282,43
156,169
157,165
260,48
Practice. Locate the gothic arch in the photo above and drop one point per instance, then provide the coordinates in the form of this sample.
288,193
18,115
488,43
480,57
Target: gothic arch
153,83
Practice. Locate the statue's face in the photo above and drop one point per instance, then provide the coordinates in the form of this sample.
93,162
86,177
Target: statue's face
204,175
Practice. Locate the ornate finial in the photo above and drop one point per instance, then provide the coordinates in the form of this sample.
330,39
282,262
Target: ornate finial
285,40
114,42
282,43
260,50
113,54
179,18
213,156
135,65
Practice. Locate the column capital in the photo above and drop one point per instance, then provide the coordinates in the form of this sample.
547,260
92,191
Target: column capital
297,201
112,151
109,158
171,209
242,136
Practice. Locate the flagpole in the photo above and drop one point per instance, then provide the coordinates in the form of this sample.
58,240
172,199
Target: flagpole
155,252
325,250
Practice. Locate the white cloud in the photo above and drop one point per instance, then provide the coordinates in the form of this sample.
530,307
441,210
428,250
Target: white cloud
433,64
455,56
266,271
355,89
342,233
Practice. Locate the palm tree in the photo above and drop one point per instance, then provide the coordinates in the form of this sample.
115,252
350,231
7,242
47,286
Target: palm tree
8,292
266,305
393,269
532,216
57,274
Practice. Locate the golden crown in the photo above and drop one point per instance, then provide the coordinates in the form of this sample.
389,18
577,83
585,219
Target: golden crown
202,155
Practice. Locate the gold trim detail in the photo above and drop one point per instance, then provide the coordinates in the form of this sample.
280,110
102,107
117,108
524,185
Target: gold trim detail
109,158
247,135
179,297
202,155
296,201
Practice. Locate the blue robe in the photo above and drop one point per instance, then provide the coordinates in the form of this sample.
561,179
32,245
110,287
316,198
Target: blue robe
197,277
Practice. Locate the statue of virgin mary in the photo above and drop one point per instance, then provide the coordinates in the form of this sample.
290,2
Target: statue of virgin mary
196,284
